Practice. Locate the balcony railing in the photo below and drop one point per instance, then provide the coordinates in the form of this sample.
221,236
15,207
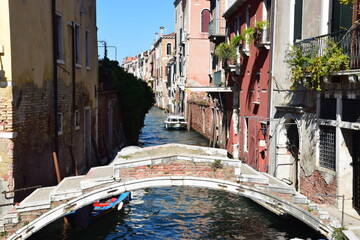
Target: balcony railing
348,41
217,78
217,28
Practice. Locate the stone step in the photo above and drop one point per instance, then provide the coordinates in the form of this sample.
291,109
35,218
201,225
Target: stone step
277,188
39,199
323,215
68,188
300,199
98,176
253,178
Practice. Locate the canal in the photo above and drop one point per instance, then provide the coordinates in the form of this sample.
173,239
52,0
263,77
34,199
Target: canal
183,212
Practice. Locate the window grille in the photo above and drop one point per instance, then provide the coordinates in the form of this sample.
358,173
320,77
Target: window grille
327,147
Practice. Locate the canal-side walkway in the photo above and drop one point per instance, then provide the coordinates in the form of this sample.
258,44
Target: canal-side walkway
171,165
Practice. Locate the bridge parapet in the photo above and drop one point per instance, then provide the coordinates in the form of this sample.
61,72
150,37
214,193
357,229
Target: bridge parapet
166,165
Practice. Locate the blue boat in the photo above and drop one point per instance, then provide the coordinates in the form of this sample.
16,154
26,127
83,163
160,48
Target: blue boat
87,215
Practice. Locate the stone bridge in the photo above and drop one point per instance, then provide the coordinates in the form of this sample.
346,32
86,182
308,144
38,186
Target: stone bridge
167,165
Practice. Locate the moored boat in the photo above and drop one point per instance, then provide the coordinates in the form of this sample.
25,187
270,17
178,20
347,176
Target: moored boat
85,216
175,122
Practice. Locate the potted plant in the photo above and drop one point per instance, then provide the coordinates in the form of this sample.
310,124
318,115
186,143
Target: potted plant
310,69
226,52
259,31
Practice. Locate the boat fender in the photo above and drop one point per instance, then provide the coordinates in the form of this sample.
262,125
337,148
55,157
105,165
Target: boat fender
120,206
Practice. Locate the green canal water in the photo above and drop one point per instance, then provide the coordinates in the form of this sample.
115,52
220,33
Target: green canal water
183,212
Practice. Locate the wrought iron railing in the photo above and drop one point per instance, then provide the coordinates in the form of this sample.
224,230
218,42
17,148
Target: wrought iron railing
217,27
348,41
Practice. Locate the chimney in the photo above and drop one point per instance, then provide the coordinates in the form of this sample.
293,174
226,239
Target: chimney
156,36
161,31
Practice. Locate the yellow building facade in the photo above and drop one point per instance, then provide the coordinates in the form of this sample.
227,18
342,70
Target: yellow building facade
48,91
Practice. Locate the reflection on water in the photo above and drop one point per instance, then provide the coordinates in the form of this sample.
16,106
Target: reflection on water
154,132
183,212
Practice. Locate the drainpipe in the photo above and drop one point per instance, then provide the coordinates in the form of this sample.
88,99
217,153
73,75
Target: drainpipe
55,56
271,93
73,69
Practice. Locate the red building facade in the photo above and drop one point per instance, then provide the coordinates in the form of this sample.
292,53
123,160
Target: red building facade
250,78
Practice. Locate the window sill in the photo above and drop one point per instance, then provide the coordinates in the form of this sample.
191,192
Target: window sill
77,128
60,132
78,65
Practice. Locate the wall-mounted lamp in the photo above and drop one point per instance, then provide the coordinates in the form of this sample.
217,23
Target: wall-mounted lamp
263,127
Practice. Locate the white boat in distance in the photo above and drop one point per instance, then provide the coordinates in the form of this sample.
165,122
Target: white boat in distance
175,122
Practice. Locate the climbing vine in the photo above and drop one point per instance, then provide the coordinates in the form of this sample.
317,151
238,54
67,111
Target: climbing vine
310,63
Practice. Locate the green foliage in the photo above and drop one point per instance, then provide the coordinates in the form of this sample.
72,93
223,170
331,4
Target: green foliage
236,40
346,2
217,164
136,96
226,51
316,67
250,33
262,24
338,234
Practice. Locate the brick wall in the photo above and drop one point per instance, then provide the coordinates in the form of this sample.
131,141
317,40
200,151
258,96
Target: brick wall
27,159
118,138
316,184
200,118
178,168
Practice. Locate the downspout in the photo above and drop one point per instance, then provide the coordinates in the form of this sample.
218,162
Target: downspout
55,73
73,69
271,94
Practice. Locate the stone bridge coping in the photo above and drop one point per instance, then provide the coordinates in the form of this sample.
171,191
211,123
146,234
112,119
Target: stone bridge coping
101,182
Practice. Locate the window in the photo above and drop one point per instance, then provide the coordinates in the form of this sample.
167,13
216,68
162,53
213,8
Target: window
247,19
87,46
237,25
267,16
60,123
351,110
327,147
77,46
205,19
341,16
60,55
298,19
328,108
168,49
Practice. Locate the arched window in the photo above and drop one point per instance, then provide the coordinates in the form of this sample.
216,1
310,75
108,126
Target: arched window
205,19
168,49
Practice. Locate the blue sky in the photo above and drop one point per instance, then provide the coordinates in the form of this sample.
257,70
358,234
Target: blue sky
130,25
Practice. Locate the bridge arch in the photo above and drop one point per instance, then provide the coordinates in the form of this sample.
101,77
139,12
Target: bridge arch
154,167
157,182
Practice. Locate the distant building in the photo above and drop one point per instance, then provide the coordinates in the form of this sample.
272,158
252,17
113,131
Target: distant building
48,77
163,51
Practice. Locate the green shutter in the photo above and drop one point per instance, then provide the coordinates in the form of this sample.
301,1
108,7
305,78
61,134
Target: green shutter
298,19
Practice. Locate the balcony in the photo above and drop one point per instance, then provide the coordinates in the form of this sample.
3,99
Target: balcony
348,41
217,29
